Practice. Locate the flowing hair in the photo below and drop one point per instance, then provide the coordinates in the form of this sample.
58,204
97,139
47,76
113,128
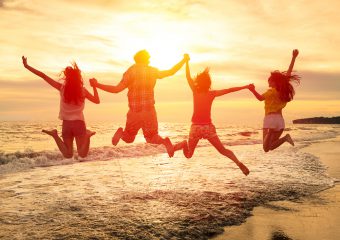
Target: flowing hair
282,83
203,81
73,92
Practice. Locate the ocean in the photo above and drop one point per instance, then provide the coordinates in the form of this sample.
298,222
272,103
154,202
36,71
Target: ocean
135,191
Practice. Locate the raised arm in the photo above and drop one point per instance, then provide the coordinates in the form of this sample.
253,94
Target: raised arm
256,94
230,90
291,65
49,80
108,88
187,73
93,98
174,69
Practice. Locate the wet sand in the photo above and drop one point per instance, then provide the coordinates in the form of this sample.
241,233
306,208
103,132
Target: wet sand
314,217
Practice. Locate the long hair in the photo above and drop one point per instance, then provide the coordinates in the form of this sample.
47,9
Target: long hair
283,84
73,92
203,81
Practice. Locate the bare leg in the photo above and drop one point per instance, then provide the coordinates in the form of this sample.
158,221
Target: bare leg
117,136
156,139
65,146
83,143
272,139
180,145
215,141
192,143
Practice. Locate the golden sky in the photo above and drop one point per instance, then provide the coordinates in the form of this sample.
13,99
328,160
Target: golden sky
241,42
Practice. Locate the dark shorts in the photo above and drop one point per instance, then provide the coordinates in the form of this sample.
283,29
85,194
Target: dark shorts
73,128
145,120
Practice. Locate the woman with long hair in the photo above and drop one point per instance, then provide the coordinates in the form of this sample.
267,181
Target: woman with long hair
280,92
72,101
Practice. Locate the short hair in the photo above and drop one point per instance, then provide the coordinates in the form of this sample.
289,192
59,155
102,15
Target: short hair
142,56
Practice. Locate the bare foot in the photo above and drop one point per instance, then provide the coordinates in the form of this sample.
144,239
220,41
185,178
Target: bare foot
52,132
169,147
180,145
90,133
243,168
116,137
289,140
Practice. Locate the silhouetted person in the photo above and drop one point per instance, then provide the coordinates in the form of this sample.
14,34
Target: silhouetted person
202,126
140,80
72,102
275,99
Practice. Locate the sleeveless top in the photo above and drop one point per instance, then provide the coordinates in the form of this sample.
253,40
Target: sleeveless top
70,111
202,107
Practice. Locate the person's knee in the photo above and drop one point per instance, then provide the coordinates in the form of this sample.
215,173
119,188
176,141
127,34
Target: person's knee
155,139
266,148
189,154
128,138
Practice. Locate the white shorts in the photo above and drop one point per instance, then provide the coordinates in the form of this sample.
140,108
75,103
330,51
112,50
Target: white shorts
274,121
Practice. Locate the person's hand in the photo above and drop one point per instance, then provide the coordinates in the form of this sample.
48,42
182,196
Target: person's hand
186,57
251,87
24,61
295,53
93,82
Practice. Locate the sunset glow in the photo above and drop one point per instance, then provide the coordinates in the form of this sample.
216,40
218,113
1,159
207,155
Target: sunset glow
241,42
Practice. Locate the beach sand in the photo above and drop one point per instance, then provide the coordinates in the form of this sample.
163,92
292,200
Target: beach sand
316,217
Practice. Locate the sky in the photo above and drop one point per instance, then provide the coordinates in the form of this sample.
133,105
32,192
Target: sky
241,42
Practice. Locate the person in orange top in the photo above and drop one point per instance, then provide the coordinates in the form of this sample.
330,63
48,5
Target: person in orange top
202,126
275,99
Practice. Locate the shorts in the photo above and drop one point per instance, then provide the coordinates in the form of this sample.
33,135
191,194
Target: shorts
274,121
73,128
145,120
206,131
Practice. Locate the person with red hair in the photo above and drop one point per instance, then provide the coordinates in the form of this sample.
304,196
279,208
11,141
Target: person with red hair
72,102
275,99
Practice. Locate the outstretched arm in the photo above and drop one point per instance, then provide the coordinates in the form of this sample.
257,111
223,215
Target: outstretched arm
108,88
49,80
93,98
187,73
291,65
174,69
256,94
230,90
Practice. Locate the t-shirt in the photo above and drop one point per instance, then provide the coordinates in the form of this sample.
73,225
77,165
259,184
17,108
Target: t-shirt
202,107
70,111
272,101
140,79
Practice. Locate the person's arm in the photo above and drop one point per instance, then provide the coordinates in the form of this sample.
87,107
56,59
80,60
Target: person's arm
108,88
187,73
49,80
256,94
230,90
174,69
291,65
93,98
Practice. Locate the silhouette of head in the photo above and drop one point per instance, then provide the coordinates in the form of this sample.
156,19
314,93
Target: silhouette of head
282,83
142,57
203,81
73,92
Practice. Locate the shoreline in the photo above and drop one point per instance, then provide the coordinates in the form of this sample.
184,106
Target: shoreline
312,217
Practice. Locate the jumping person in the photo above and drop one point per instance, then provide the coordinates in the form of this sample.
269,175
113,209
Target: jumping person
72,102
275,99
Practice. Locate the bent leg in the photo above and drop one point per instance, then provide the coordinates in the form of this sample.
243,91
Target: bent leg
83,143
156,139
216,142
277,141
192,143
65,146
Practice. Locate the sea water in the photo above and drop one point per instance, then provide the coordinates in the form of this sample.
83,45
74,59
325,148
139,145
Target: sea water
135,191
